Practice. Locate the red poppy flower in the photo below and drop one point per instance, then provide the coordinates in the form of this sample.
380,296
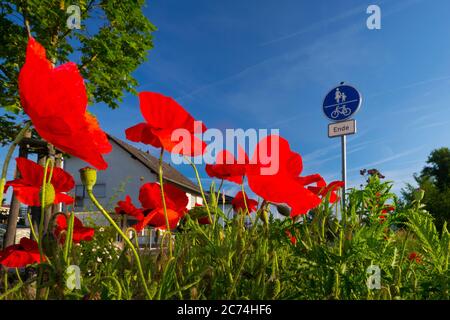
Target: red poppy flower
28,187
152,212
80,232
157,219
413,256
227,167
203,220
322,189
291,237
150,197
164,116
388,208
274,172
239,201
128,208
20,255
55,100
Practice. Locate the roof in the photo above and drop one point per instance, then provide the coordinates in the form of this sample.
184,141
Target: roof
170,174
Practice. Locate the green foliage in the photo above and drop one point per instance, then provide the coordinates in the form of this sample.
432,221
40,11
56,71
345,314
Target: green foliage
230,260
434,180
10,128
113,41
438,168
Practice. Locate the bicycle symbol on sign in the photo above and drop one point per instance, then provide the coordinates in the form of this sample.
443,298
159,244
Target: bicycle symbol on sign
341,108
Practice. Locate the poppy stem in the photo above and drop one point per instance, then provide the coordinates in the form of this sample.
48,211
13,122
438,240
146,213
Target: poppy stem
124,237
18,275
135,235
30,221
17,287
45,181
69,236
201,188
219,192
9,154
163,198
243,197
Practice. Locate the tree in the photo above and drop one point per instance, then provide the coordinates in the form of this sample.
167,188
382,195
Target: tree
434,180
112,42
438,168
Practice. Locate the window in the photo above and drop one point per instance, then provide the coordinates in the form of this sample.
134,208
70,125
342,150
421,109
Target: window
80,193
194,200
100,190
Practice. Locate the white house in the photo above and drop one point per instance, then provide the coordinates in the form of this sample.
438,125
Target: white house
128,169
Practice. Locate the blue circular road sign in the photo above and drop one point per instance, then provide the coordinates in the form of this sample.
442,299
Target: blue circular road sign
341,102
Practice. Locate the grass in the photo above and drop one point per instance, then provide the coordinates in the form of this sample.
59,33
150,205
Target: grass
330,259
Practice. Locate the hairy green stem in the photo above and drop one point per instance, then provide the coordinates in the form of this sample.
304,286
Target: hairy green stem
44,204
163,197
219,193
135,235
17,287
9,154
31,226
201,189
243,196
124,237
69,236
118,286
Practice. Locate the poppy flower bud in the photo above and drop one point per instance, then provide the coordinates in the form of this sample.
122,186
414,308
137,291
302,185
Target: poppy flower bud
284,210
49,196
194,293
418,194
88,177
276,288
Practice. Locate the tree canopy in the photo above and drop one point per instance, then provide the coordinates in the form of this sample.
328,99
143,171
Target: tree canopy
113,41
434,179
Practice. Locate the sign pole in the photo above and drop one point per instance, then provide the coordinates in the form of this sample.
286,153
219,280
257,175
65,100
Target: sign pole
344,166
339,105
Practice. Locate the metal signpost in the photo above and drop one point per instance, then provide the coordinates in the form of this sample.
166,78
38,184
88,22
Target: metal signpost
339,105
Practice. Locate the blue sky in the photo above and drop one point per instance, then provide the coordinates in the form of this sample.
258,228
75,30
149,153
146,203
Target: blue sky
268,64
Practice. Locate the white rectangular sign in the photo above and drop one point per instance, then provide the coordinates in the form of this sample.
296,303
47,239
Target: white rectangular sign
341,128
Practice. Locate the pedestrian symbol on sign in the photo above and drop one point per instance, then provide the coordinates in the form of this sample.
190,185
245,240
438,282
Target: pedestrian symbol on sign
341,103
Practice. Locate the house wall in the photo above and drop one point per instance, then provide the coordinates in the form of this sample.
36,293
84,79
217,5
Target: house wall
124,176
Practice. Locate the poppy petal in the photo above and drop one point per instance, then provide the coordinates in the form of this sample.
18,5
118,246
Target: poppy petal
80,232
273,175
150,197
157,219
164,112
28,195
241,202
142,132
61,180
63,198
128,208
55,99
30,171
